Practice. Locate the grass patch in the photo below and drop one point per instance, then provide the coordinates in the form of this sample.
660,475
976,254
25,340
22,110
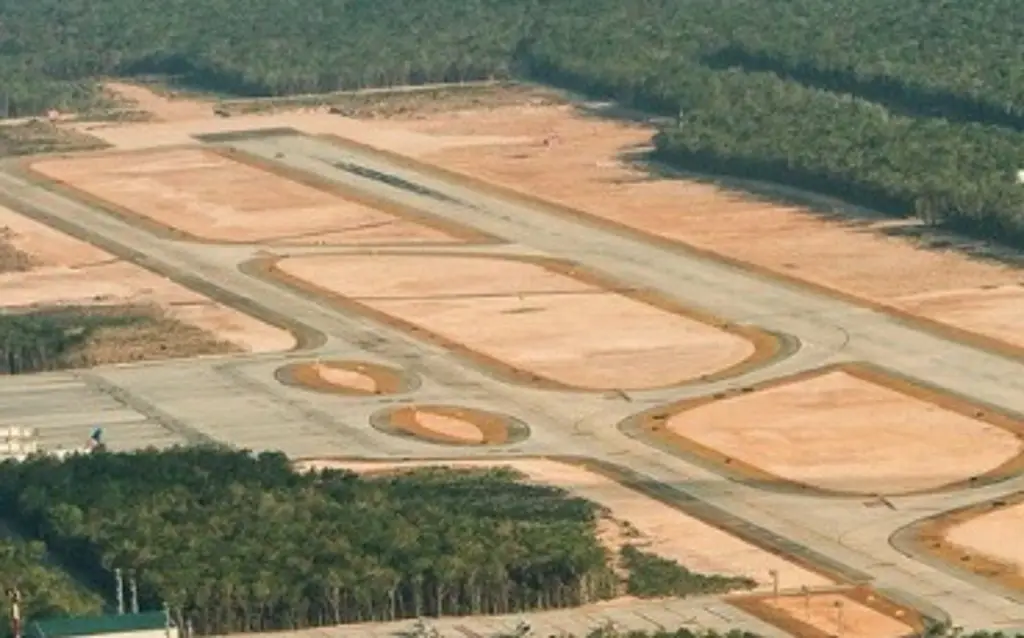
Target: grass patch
36,340
652,576
383,104
37,136
11,258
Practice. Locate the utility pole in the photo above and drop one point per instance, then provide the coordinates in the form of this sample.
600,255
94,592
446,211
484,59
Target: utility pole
119,580
133,585
839,618
15,595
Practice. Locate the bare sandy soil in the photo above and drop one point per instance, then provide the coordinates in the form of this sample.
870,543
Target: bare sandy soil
346,378
855,621
69,272
813,431
663,530
582,169
994,535
529,318
160,108
449,426
212,197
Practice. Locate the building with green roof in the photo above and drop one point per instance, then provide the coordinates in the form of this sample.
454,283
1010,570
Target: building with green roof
145,625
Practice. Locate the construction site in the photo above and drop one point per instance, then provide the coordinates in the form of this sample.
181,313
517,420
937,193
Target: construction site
785,392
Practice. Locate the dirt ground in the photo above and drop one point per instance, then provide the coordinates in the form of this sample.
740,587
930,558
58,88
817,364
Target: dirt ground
212,197
662,530
450,424
69,272
995,535
583,167
827,615
357,378
530,318
811,430
982,539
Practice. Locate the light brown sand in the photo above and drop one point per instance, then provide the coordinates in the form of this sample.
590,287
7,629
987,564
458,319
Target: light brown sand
161,108
450,427
212,197
857,621
73,272
842,433
346,378
530,318
663,530
582,169
996,535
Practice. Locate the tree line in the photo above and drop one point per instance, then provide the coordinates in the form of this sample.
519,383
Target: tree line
46,589
914,106
234,542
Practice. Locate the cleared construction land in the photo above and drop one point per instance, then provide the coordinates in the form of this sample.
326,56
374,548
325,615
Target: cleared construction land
583,162
845,429
58,272
534,320
982,539
857,613
202,195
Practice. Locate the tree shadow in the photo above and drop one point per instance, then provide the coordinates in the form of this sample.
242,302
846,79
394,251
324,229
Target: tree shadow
858,218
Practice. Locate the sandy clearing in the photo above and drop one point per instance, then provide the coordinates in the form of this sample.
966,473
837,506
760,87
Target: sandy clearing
148,135
856,621
995,535
813,431
582,169
663,530
213,197
161,108
346,378
73,272
450,426
529,318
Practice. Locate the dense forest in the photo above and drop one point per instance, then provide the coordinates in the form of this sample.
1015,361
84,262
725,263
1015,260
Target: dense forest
235,542
914,107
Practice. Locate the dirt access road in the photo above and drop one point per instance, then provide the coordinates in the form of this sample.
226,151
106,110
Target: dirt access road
238,400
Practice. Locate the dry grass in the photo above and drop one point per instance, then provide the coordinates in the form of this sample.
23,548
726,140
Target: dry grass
156,336
37,136
420,103
11,258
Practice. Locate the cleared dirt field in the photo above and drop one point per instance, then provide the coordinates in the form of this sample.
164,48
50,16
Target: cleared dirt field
829,615
354,378
846,429
583,169
983,539
586,166
529,317
663,530
212,197
69,272
452,425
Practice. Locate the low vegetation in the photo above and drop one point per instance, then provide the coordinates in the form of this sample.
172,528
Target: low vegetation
37,136
11,258
651,576
46,590
236,542
36,340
